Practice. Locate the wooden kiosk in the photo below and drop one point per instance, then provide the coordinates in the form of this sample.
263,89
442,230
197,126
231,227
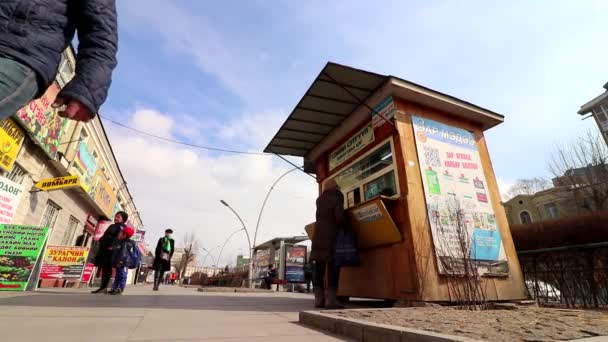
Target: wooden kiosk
404,156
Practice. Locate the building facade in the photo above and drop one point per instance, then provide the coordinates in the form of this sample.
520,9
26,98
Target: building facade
39,145
598,108
545,205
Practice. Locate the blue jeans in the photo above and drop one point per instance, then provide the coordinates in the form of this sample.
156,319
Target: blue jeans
120,278
18,86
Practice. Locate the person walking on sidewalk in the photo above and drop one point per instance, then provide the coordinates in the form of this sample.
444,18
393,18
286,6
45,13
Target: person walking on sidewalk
33,35
329,218
103,259
122,250
162,257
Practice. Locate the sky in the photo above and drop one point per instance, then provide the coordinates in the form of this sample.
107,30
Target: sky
227,74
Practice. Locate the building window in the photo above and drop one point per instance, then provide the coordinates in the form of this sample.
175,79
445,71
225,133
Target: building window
524,217
551,210
50,215
68,237
370,176
17,174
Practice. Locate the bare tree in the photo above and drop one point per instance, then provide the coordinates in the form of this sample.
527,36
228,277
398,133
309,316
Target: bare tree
528,186
190,247
460,269
582,166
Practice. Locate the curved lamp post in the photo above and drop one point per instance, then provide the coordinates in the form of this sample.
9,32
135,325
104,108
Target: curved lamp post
209,254
219,258
248,240
257,225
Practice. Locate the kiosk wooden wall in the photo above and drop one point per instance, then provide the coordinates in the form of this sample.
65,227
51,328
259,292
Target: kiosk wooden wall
408,270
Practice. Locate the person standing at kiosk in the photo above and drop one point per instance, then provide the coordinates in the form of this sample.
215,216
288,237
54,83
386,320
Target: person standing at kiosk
329,218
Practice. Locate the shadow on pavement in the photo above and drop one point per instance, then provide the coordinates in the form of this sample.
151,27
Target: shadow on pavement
176,302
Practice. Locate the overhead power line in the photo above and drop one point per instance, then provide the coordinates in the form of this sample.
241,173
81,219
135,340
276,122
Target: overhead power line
182,142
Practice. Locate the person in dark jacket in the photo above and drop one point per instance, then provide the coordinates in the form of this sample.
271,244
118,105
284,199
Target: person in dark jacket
103,258
329,218
121,250
162,257
33,35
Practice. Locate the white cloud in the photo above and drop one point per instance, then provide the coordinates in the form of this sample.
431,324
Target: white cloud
180,187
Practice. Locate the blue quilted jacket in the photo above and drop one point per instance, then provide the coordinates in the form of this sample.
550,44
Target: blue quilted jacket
36,32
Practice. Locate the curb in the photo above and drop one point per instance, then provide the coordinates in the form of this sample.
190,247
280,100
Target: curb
365,331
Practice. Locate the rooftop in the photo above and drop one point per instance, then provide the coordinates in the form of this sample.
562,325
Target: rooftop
339,99
277,241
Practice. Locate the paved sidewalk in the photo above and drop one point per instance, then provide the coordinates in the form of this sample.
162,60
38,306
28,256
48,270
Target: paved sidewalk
172,314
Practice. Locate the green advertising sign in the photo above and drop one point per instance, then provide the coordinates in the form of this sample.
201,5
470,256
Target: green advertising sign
20,247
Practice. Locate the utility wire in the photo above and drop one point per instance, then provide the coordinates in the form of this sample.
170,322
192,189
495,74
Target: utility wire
181,142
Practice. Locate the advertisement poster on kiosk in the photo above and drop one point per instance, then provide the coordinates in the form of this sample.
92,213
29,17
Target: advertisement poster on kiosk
459,206
294,264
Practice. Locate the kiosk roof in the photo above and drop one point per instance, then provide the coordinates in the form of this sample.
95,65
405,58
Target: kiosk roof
338,91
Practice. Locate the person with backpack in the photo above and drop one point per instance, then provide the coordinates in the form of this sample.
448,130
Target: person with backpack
103,258
124,256
162,257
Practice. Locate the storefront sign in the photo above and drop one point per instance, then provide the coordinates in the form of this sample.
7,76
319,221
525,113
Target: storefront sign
387,109
91,224
294,266
11,139
355,144
43,122
373,225
20,247
104,196
140,237
63,262
117,208
459,206
10,196
87,273
85,167
58,183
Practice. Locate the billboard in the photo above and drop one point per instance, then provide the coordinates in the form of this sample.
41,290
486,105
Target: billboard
10,196
11,139
459,206
85,167
43,122
20,247
104,195
63,262
294,264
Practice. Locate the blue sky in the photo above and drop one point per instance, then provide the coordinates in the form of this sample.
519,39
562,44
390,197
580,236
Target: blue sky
228,73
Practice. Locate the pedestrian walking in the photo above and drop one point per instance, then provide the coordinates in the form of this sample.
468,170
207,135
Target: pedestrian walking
103,258
329,218
33,35
123,251
162,257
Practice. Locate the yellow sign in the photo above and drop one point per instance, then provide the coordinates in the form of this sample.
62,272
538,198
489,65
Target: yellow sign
373,225
11,138
353,145
104,196
58,183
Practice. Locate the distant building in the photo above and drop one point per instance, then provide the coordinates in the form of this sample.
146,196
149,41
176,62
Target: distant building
191,269
568,197
598,107
241,261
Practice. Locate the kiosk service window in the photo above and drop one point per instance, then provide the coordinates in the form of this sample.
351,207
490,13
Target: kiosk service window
370,176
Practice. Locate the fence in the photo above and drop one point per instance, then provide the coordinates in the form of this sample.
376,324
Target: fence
574,276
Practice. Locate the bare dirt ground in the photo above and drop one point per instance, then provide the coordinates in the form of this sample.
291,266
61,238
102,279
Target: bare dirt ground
528,324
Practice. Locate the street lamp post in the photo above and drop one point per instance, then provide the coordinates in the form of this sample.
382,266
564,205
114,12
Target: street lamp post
209,254
219,258
248,240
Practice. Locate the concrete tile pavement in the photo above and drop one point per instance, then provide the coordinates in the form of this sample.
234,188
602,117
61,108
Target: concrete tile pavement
172,314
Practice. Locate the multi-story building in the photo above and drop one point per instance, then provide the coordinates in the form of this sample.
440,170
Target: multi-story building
598,108
37,144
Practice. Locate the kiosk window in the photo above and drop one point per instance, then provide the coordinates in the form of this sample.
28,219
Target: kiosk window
370,176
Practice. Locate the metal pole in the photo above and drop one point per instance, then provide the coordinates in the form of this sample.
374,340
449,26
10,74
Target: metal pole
248,240
219,258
